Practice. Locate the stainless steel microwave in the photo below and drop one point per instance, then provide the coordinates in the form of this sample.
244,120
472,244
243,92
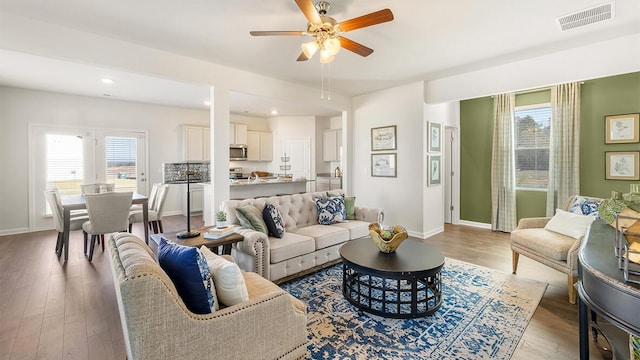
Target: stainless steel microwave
238,152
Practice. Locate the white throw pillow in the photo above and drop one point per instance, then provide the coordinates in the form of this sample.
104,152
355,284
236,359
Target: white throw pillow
230,286
569,224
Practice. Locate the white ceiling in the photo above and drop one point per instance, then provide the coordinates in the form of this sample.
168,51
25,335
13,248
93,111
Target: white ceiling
426,40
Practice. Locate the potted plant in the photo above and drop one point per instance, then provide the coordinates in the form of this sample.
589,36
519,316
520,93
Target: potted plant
221,219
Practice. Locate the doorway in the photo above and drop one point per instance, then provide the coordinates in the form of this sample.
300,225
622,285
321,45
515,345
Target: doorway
451,177
299,152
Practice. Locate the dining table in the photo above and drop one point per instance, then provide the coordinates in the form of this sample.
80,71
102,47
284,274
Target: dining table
77,202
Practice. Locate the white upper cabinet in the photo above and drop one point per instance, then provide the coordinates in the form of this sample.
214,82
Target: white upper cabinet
331,143
238,134
259,146
196,142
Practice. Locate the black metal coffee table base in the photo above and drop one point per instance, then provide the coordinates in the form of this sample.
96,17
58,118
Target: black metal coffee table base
372,283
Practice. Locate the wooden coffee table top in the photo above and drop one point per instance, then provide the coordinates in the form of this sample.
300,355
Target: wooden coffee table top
199,240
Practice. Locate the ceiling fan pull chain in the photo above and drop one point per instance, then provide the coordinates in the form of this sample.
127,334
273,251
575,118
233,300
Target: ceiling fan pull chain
322,81
329,80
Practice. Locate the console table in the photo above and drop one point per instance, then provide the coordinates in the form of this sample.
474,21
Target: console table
602,289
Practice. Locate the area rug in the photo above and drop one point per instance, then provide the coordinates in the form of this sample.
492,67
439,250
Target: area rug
484,313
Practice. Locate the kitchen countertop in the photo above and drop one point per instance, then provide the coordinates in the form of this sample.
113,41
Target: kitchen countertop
327,175
244,182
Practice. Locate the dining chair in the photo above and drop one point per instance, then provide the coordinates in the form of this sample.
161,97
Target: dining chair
152,198
55,203
108,213
97,188
155,212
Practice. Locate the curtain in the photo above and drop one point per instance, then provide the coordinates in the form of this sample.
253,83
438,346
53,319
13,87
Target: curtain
564,151
503,180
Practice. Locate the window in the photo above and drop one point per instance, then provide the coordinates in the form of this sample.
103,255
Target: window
121,156
65,163
532,137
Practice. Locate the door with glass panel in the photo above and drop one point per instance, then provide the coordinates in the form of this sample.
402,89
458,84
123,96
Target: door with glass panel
65,158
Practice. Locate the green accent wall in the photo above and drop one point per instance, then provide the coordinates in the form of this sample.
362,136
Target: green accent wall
599,97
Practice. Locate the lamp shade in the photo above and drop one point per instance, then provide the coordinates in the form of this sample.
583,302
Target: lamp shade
310,48
185,172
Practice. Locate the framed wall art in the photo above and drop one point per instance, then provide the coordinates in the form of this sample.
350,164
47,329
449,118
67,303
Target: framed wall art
622,129
434,136
383,165
622,165
434,171
383,138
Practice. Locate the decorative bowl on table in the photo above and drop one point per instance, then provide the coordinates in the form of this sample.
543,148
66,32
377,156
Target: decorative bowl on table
387,239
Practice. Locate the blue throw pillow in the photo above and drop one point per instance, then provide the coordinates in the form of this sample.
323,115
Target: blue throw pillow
584,206
189,271
274,221
331,210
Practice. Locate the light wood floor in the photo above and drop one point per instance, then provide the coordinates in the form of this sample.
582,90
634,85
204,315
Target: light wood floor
53,310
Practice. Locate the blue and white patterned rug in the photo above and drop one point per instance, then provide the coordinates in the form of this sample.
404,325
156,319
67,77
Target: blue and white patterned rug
484,313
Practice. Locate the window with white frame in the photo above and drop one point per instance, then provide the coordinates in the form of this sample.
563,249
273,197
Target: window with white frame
532,139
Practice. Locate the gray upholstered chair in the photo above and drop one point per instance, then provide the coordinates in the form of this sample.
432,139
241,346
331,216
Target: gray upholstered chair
108,213
156,323
555,250
75,223
155,213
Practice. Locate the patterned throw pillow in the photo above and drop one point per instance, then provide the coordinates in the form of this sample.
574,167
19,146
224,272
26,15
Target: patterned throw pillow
188,270
251,218
585,206
274,221
331,210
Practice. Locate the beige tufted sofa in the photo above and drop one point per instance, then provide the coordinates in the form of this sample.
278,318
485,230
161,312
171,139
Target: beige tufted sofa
306,245
157,325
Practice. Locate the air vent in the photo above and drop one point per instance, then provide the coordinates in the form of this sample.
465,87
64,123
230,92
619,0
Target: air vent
584,17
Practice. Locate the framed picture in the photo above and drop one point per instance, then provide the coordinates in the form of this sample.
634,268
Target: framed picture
622,165
621,129
383,138
434,170
434,136
383,165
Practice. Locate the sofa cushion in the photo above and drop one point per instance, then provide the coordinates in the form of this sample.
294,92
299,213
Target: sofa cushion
569,224
274,221
290,246
547,243
227,277
357,229
330,210
189,272
324,236
584,206
251,218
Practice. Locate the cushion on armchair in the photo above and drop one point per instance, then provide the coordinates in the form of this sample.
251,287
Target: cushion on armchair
569,224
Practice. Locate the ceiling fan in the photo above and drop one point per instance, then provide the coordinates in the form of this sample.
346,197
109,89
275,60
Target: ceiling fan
326,31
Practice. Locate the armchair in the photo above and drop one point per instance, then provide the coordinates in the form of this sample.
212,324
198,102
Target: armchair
555,250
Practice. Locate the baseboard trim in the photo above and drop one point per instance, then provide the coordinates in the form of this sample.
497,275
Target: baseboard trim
425,235
15,231
475,224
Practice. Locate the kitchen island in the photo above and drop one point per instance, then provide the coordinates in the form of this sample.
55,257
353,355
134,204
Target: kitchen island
246,189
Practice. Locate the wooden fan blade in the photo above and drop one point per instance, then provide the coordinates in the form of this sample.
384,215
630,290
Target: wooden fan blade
302,57
272,33
374,18
309,11
354,46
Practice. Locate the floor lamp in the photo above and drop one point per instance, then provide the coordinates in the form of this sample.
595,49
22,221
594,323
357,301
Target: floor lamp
186,172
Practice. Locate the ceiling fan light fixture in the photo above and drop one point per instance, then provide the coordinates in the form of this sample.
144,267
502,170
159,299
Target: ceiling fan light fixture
332,45
310,48
326,57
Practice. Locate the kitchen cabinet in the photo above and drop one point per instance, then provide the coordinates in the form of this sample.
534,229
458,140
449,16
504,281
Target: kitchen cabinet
197,198
331,145
238,134
259,146
326,183
196,143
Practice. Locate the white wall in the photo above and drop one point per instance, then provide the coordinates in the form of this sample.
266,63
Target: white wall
20,107
288,127
400,197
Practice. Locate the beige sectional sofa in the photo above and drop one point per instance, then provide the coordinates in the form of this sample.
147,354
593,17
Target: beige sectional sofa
305,245
157,324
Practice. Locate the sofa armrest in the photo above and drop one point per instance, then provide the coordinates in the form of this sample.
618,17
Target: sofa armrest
369,214
533,223
253,253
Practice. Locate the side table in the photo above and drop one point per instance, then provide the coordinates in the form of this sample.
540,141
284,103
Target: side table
198,241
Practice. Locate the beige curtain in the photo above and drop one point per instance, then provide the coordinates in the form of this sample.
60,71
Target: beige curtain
564,148
503,180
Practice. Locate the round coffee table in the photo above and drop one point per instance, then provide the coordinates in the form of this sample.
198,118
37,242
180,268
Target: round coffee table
404,284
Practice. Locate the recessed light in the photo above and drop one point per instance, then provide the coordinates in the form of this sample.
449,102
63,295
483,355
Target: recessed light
274,112
208,103
107,81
